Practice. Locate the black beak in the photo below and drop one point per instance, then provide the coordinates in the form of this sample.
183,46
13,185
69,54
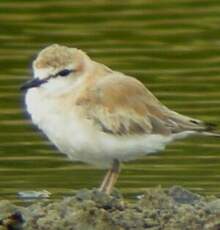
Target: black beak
33,83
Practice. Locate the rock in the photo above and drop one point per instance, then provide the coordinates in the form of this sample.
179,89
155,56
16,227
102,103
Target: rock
33,195
174,208
214,206
183,196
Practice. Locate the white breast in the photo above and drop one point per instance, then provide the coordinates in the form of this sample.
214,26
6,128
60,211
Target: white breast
80,140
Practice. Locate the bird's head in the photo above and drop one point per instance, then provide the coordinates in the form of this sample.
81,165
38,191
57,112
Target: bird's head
58,67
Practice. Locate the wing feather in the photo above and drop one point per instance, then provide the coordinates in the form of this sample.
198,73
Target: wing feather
122,105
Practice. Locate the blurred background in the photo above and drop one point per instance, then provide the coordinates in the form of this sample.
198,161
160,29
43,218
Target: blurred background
173,46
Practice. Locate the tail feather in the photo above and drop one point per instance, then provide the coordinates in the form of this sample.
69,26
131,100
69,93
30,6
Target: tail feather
200,127
212,134
210,126
210,130
184,123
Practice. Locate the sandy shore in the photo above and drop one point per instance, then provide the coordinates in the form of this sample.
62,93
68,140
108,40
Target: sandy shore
165,209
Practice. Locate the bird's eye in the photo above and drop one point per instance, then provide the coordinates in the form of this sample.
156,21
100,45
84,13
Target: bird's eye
64,72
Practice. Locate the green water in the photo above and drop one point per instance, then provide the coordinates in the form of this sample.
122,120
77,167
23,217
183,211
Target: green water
173,46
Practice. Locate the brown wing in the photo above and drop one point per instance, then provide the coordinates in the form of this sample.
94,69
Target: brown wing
121,105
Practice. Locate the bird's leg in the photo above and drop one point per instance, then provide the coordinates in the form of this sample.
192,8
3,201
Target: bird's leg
105,181
114,176
111,178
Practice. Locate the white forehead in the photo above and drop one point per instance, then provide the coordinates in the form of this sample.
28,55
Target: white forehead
43,73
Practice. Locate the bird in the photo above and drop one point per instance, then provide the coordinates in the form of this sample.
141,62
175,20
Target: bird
100,116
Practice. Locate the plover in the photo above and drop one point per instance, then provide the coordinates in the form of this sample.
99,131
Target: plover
99,116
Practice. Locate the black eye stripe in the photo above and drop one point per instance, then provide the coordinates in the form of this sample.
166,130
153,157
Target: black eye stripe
64,72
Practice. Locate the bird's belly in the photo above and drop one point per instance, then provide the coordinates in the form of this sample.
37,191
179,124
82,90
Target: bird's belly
80,140
81,143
